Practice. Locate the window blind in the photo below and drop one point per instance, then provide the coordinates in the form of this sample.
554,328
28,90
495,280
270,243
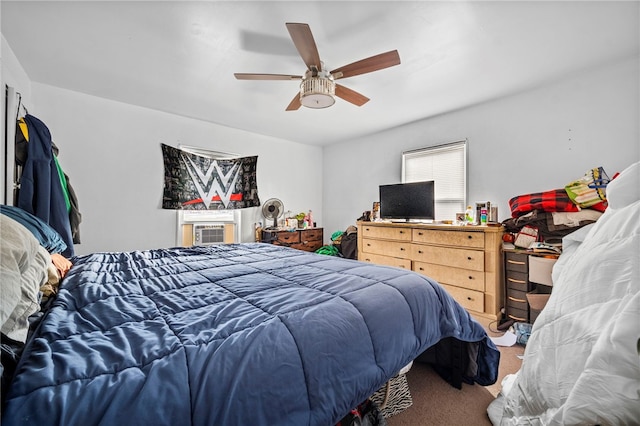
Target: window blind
447,166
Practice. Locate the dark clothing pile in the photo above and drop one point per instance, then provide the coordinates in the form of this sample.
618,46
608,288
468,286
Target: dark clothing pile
44,188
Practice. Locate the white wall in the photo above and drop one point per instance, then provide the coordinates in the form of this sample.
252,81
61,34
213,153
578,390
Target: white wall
111,153
530,142
12,72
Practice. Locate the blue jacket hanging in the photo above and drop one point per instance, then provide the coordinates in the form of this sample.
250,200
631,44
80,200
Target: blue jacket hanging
41,192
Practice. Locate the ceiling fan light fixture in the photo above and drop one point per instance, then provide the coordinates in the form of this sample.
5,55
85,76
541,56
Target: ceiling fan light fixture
317,92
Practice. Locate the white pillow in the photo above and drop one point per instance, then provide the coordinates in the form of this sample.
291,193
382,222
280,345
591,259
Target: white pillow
23,269
624,189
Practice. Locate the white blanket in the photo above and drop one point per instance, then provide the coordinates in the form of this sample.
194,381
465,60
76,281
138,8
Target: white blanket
582,362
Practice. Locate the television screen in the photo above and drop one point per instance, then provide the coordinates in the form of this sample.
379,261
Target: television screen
408,201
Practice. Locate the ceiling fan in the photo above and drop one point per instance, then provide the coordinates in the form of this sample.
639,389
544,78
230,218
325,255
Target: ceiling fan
318,86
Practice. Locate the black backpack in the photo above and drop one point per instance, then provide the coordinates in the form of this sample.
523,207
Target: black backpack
349,245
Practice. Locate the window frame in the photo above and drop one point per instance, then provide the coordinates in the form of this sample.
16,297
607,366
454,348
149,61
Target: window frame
440,149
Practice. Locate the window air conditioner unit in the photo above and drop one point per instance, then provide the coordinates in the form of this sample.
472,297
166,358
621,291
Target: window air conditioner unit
204,234
202,227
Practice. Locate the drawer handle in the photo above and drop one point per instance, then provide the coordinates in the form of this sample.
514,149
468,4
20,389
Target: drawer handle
401,248
368,260
402,232
469,298
368,245
420,233
515,262
516,300
421,268
513,280
469,258
420,251
516,318
470,277
469,236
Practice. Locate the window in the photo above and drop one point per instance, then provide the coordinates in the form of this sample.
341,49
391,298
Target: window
188,220
447,166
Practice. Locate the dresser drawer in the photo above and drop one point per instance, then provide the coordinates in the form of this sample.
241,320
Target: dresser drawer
459,258
472,280
311,235
307,245
517,280
281,238
469,299
387,248
389,233
449,238
517,300
517,262
386,260
518,315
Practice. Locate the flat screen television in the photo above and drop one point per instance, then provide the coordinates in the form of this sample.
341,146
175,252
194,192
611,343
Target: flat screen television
412,201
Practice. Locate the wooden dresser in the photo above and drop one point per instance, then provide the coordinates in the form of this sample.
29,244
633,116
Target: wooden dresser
302,239
465,260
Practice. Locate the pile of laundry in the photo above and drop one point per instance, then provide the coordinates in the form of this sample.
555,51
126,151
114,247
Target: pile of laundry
550,215
343,244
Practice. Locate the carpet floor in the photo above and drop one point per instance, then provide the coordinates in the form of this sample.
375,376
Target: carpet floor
435,402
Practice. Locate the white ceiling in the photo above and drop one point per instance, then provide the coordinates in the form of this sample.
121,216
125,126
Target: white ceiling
179,56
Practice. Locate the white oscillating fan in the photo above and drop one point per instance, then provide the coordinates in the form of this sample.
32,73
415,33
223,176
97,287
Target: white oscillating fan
273,209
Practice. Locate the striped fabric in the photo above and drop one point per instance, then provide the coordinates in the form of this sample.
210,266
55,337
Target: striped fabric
555,200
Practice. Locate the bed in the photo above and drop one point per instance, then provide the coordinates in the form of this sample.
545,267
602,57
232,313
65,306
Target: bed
246,334
582,361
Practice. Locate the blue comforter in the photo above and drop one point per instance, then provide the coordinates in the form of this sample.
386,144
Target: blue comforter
244,334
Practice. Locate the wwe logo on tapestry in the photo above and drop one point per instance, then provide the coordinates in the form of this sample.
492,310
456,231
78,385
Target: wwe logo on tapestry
208,184
197,182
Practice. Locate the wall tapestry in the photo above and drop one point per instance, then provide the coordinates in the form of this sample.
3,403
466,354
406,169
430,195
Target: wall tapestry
195,182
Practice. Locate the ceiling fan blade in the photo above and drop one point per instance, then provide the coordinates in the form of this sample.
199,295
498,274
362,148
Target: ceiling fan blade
350,95
295,103
246,76
373,63
306,45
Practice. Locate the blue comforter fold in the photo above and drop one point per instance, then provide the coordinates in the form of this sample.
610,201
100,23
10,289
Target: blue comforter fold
232,334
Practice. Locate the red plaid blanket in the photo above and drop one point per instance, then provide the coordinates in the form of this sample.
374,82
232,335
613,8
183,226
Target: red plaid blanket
555,200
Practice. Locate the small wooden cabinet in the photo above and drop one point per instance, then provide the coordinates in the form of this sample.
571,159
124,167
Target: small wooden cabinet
302,239
465,260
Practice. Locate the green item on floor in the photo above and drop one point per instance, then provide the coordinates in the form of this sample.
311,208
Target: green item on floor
328,250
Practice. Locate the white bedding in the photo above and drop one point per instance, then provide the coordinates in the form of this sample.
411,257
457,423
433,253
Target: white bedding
582,362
